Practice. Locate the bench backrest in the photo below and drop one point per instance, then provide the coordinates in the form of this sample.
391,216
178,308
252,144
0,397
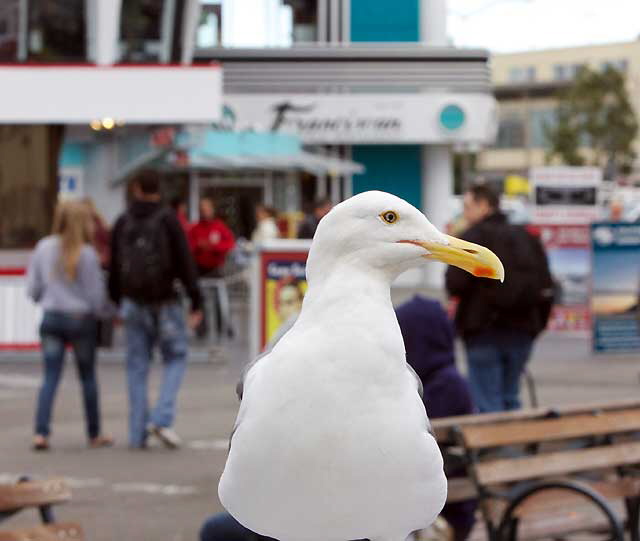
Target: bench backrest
578,443
445,427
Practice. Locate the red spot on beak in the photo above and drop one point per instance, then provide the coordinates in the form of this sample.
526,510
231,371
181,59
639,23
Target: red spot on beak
483,272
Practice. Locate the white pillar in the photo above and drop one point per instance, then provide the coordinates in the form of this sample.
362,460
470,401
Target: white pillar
433,22
437,191
190,19
103,30
267,194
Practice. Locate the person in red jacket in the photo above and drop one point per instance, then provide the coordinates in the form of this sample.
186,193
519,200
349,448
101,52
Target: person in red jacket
210,240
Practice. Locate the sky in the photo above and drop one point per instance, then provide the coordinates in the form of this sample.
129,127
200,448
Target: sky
520,25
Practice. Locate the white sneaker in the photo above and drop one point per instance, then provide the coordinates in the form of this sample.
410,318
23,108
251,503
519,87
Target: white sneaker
166,435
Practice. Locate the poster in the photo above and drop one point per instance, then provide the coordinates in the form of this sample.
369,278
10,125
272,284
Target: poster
568,249
278,288
615,296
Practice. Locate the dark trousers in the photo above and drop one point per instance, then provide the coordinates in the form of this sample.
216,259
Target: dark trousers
223,527
59,329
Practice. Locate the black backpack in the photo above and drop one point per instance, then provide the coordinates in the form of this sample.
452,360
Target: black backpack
528,288
145,259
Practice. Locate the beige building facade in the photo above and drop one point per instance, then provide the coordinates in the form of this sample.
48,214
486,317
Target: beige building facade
526,85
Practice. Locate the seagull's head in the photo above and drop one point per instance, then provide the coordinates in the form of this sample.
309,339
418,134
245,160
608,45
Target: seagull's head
378,230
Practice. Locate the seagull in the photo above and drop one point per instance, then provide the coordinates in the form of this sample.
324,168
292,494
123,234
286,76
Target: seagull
332,441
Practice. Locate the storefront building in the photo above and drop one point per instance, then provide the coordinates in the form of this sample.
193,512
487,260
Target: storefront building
380,87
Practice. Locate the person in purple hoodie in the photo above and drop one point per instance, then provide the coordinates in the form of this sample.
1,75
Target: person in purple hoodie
429,342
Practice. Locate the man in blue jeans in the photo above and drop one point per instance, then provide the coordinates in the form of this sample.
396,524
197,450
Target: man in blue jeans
149,254
498,322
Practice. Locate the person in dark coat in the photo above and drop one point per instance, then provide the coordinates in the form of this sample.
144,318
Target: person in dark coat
308,226
429,342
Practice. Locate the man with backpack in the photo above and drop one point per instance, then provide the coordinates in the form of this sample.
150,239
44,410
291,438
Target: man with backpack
149,253
499,322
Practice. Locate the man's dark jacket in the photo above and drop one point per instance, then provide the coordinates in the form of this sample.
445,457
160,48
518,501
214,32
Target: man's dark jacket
476,312
182,266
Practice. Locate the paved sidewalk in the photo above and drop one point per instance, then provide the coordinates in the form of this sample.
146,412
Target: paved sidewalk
160,495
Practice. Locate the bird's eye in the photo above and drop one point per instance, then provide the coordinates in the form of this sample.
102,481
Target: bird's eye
389,216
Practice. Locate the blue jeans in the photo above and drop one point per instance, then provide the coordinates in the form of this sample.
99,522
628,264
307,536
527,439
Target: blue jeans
496,360
57,330
223,527
146,325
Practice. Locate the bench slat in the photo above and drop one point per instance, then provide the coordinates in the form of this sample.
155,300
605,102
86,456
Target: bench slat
513,433
46,532
443,425
33,494
507,470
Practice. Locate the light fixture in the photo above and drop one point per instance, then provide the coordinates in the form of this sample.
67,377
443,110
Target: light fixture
95,125
108,123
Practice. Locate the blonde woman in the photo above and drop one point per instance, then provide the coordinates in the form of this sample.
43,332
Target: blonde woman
64,276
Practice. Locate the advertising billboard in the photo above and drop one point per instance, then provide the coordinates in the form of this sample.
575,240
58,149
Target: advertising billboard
568,249
615,295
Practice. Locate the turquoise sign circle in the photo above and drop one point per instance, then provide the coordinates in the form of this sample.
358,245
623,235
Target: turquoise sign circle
452,117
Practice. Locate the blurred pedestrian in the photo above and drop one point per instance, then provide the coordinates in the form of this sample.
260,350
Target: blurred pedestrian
266,226
64,276
101,233
429,342
498,322
180,208
210,240
308,226
149,253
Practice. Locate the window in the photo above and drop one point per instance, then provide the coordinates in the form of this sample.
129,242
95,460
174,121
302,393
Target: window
56,31
9,16
209,32
566,72
621,65
539,121
510,132
520,74
559,72
273,23
140,31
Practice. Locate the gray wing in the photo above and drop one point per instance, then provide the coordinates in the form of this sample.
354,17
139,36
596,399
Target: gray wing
240,384
420,390
418,380
240,389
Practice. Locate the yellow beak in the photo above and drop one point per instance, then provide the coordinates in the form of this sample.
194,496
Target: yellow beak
473,258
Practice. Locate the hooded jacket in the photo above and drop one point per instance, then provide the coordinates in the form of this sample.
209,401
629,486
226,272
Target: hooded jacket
429,342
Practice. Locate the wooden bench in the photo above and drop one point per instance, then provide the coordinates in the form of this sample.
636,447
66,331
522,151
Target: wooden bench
41,495
548,472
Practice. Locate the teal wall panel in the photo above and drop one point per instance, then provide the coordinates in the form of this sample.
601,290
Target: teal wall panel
396,169
381,20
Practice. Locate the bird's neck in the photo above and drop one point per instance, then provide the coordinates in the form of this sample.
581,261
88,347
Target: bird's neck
350,287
